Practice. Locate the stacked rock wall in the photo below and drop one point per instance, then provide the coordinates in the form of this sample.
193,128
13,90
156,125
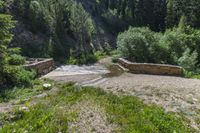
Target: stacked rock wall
42,66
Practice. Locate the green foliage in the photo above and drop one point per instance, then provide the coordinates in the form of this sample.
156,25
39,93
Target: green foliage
141,45
37,16
119,14
82,59
80,21
87,58
156,14
127,112
188,60
178,8
64,25
181,38
17,75
178,46
2,6
16,59
41,118
100,54
11,71
182,23
23,93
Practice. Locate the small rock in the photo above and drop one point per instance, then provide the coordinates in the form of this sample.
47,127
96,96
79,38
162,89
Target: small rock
41,95
47,86
195,100
24,108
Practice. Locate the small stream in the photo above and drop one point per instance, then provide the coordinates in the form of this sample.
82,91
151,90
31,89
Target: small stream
106,72
82,70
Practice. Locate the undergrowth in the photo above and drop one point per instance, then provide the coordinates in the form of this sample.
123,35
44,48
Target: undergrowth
23,93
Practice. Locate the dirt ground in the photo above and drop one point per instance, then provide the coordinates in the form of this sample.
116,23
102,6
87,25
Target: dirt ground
174,94
92,118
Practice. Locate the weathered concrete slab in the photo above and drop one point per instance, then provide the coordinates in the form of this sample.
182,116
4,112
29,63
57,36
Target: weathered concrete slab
149,68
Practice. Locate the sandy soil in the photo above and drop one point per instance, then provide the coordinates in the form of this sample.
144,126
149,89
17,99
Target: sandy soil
91,118
172,93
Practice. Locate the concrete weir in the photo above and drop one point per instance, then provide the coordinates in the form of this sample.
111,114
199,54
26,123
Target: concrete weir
42,66
149,68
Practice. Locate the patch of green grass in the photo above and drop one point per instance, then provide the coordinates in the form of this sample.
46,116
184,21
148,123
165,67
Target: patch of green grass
196,76
41,118
100,54
192,74
23,93
129,113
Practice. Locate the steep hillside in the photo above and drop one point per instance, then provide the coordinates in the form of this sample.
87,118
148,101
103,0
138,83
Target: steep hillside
104,36
45,31
60,29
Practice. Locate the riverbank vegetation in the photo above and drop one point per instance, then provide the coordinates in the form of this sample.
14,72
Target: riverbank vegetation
177,46
11,71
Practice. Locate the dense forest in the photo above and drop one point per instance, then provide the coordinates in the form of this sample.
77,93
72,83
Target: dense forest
75,29
50,28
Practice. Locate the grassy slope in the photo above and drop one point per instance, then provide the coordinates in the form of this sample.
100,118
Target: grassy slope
22,94
53,113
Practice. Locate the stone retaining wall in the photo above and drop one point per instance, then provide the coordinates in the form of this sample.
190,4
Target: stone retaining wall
41,66
148,68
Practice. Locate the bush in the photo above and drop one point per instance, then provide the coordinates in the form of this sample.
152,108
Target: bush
177,46
177,41
100,54
188,60
17,76
16,59
86,58
141,45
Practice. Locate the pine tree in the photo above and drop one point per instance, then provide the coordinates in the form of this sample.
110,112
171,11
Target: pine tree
170,14
11,71
182,23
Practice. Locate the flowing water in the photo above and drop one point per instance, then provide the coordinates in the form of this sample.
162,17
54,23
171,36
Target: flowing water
70,70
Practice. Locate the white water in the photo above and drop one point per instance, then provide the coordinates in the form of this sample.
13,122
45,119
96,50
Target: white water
67,70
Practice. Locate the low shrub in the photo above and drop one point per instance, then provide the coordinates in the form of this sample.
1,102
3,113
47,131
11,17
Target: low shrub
177,46
100,54
17,76
82,59
141,45
188,60
86,58
16,59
